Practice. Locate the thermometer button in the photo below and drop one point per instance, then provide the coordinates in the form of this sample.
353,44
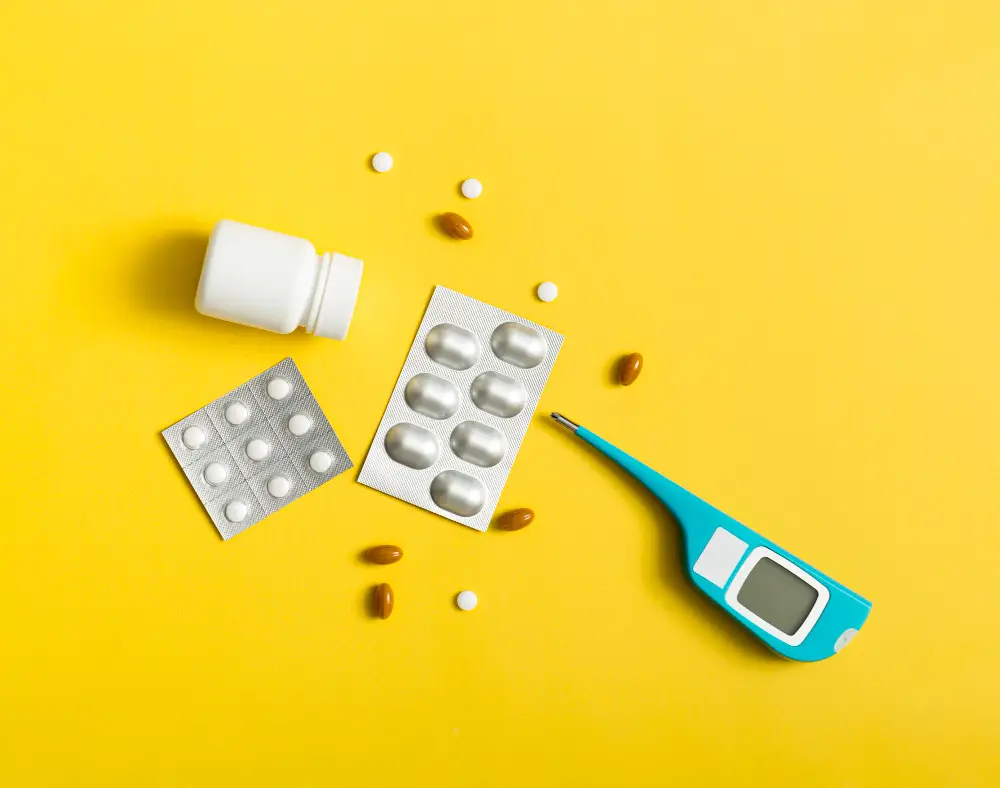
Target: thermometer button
844,639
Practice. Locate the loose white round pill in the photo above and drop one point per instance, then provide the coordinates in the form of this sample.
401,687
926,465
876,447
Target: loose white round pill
237,413
278,388
257,449
193,437
467,600
278,486
548,291
382,162
236,511
320,461
216,473
471,188
299,424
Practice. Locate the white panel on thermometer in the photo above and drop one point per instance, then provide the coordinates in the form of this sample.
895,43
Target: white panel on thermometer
720,557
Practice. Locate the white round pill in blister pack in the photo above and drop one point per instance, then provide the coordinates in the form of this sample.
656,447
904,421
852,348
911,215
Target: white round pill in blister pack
278,486
320,461
299,424
278,388
236,511
236,413
291,410
215,474
193,437
258,449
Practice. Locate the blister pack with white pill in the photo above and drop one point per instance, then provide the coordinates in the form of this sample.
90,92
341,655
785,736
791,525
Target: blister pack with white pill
460,408
258,448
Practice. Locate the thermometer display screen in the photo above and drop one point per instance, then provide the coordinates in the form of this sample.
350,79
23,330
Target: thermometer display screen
776,595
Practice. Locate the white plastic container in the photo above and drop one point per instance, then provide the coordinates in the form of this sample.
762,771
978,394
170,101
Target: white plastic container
277,282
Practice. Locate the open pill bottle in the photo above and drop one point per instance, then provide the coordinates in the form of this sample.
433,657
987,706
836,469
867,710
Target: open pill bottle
277,282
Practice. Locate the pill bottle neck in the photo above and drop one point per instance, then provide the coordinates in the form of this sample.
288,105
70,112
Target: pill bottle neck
335,292
322,279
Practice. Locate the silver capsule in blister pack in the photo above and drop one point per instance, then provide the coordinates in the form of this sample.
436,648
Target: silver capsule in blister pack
478,443
458,493
452,346
498,394
460,408
411,445
518,345
432,396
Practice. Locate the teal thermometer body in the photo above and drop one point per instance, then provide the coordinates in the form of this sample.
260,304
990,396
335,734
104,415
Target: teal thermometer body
794,608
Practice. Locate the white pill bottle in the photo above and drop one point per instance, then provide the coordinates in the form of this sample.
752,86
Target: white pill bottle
277,282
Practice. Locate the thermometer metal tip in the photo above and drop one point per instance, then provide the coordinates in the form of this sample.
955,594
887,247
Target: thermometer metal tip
558,418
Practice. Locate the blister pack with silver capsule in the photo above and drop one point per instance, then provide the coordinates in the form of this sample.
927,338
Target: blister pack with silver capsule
460,408
257,448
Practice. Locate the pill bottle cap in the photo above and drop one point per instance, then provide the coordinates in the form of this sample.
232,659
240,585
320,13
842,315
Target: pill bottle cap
335,296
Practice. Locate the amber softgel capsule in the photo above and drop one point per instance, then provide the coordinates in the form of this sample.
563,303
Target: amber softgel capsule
515,519
630,368
384,600
384,554
455,226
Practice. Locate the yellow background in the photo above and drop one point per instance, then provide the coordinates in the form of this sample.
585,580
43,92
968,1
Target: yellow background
790,208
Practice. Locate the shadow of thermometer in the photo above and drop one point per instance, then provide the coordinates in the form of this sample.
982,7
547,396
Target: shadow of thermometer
795,609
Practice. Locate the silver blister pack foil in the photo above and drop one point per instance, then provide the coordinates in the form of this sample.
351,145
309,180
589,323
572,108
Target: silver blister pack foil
262,445
460,408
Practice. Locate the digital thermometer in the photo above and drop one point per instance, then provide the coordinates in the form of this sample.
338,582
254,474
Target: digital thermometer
795,609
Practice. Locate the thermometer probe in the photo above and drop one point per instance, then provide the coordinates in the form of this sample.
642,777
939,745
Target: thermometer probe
796,610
